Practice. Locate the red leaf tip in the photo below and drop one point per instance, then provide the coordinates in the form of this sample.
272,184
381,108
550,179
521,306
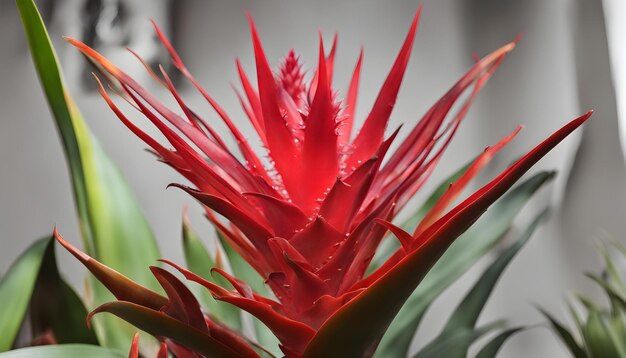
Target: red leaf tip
81,256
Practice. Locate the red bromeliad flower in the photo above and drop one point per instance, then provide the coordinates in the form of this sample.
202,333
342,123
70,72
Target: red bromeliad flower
311,221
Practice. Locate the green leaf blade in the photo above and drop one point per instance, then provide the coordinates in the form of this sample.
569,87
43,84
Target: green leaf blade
470,247
56,307
113,227
453,345
16,288
466,314
565,336
491,349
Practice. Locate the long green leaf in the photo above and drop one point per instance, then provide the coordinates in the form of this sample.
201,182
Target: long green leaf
200,262
34,283
598,338
388,247
113,227
607,330
490,350
16,289
452,345
64,351
565,336
471,246
466,314
55,306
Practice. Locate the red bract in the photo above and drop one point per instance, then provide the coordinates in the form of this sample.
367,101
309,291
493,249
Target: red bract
311,221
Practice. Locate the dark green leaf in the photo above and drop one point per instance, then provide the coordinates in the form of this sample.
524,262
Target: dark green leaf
598,338
16,289
490,350
113,227
470,247
565,336
605,327
55,306
466,315
452,345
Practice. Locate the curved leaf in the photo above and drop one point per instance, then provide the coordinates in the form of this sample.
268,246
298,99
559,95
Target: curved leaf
63,351
467,312
113,227
490,350
55,307
16,289
471,246
565,336
599,333
598,338
122,287
34,283
453,344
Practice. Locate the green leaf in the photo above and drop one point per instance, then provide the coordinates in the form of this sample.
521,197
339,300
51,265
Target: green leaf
113,227
598,338
490,350
55,306
470,247
617,330
64,351
34,282
388,247
16,289
613,329
452,345
565,336
242,269
466,314
200,262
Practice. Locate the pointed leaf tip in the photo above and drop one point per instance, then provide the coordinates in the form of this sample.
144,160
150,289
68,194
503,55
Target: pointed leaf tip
119,285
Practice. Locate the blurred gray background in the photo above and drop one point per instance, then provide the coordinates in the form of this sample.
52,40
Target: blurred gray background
570,60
